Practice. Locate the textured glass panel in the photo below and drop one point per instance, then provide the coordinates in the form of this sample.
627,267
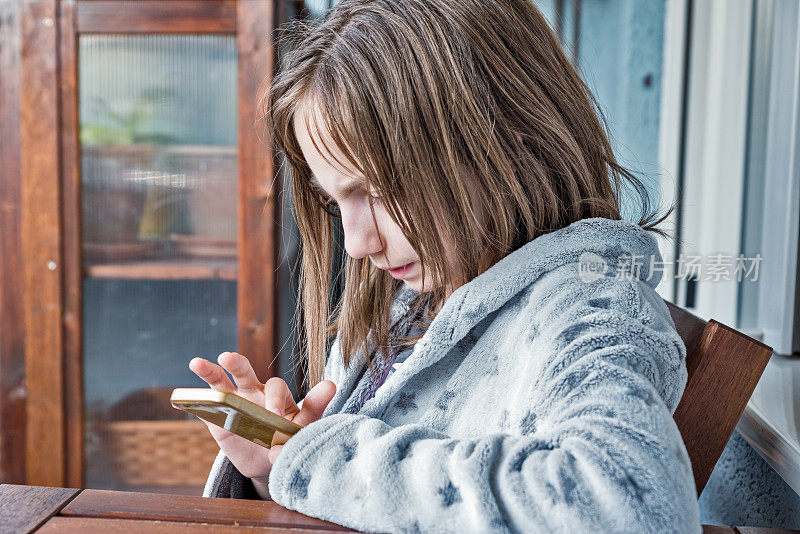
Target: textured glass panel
159,175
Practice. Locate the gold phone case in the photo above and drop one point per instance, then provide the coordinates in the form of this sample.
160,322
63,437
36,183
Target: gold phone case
234,413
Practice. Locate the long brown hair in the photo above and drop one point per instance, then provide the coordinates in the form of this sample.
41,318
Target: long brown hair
413,92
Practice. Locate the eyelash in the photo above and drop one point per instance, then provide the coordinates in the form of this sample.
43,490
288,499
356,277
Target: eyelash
333,208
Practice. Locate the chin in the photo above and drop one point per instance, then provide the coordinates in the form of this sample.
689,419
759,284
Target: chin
413,284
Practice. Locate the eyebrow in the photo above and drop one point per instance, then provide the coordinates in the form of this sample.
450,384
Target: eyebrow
344,191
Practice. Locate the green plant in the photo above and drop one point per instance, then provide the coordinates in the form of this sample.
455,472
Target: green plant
128,118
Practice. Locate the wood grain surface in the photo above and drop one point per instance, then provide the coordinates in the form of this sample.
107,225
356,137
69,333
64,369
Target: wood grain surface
24,508
129,505
156,16
82,525
50,510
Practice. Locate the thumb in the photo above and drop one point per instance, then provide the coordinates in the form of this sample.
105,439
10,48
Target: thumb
315,402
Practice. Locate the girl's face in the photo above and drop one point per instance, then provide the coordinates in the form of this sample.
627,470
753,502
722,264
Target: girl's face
385,245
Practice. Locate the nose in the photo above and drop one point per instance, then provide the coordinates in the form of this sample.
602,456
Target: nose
361,237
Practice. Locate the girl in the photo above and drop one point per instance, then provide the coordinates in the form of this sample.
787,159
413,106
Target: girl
501,359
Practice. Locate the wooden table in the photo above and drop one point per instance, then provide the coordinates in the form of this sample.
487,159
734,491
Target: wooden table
48,510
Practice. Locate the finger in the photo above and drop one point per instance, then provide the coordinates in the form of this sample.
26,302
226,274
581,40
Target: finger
315,402
314,405
239,366
278,397
280,401
212,374
278,439
273,452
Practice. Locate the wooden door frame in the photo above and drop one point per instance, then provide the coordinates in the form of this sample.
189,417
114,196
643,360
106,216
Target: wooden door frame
259,188
42,245
13,394
41,390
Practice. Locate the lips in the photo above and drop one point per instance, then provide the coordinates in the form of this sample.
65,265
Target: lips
396,269
398,272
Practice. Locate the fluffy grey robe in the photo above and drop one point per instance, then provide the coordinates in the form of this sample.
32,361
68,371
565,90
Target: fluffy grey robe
540,399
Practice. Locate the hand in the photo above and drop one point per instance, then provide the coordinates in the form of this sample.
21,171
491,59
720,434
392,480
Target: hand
253,460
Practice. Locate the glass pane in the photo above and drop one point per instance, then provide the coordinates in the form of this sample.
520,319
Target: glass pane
159,175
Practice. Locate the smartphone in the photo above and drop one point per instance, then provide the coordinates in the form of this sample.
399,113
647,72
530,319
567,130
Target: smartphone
234,413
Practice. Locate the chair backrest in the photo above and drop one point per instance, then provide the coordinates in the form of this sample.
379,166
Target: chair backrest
724,368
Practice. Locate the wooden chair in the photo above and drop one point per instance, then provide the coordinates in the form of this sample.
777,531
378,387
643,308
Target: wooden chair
724,368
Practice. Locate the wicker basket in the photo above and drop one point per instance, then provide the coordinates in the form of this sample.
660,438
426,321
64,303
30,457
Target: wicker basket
160,453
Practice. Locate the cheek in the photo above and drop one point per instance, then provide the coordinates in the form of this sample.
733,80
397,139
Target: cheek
358,217
393,234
